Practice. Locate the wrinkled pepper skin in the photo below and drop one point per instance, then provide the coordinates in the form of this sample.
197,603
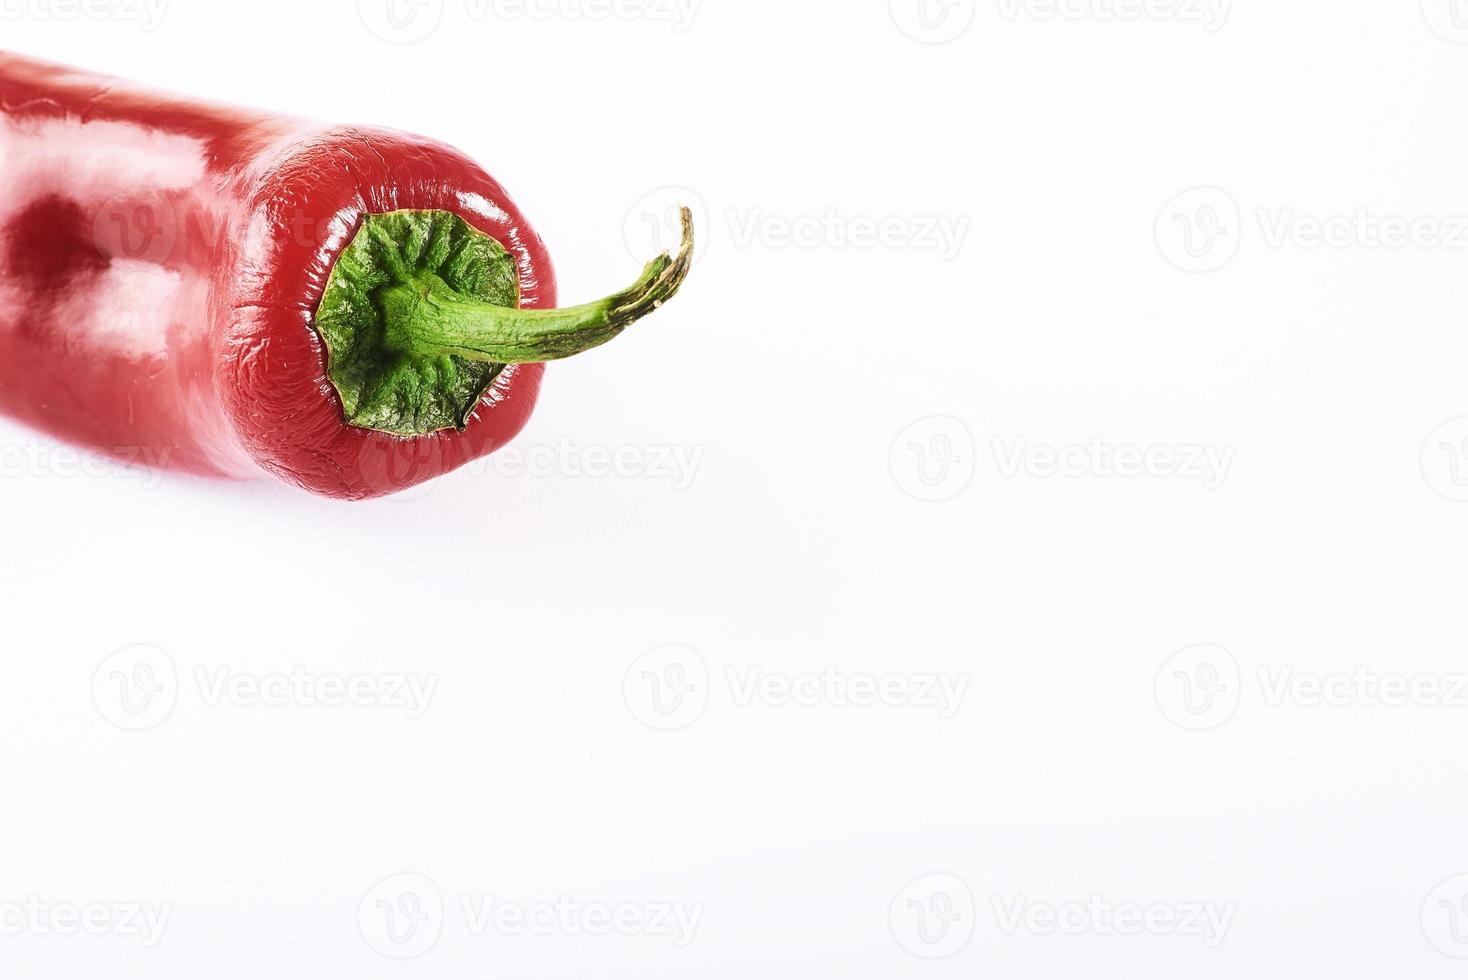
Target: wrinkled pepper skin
160,263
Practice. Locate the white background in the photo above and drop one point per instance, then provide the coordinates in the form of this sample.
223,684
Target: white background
827,838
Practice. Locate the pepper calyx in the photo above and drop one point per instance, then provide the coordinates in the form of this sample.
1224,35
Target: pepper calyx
421,313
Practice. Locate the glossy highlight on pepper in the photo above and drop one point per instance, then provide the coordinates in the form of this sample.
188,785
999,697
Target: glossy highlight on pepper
234,293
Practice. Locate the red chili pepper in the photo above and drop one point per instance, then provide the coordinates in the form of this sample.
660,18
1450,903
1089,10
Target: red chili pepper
224,291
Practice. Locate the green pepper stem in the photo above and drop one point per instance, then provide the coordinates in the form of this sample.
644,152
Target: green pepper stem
430,318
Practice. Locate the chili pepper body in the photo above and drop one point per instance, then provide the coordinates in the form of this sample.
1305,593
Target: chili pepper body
161,261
